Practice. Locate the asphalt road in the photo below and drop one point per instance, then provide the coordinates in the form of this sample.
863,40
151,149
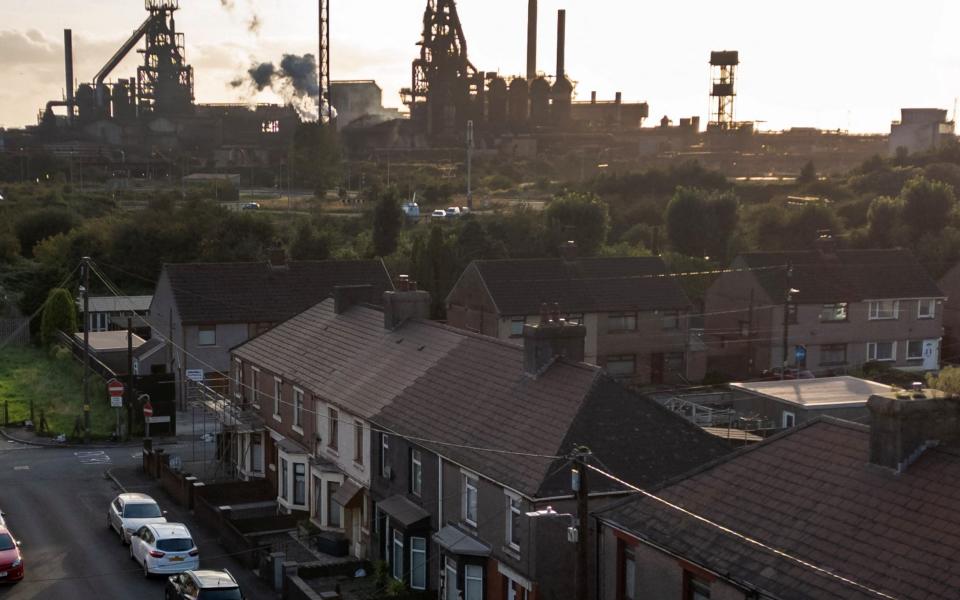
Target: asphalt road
56,499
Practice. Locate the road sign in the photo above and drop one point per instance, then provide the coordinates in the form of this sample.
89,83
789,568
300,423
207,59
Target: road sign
116,401
148,409
195,375
801,354
115,387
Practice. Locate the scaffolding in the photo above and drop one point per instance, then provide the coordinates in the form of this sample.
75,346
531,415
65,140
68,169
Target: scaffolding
723,67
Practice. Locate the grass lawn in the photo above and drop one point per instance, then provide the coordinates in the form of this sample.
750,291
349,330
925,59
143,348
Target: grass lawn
54,381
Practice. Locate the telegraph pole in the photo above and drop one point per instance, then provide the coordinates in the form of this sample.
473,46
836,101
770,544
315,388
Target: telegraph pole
469,164
581,489
787,297
86,349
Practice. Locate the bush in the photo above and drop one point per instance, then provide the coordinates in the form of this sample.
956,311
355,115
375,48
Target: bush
59,314
38,225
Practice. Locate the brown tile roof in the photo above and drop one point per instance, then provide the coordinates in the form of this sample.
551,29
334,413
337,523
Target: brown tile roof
520,286
811,493
428,382
851,276
254,292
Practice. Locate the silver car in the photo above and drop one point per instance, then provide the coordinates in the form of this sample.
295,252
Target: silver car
129,512
164,548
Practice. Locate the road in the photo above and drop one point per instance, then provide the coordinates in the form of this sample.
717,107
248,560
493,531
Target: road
55,500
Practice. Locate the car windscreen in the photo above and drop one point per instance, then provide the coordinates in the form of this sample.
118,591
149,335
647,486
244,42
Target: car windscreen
215,594
175,545
6,542
141,511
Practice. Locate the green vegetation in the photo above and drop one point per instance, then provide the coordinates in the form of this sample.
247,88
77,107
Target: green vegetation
53,381
59,314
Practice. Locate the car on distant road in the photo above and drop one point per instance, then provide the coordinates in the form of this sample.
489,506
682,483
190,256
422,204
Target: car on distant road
438,214
164,548
251,206
11,560
453,212
203,585
129,512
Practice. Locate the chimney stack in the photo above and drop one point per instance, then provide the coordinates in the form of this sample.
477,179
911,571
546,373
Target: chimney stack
593,97
406,302
278,257
531,40
551,339
561,43
68,67
903,427
345,296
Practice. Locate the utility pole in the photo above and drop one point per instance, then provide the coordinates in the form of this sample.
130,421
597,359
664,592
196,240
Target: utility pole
750,336
581,488
86,348
469,164
129,390
787,297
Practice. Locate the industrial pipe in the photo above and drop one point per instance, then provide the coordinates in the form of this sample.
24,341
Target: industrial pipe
531,40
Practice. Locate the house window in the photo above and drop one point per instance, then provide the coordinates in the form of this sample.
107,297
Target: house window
397,555
416,472
277,397
792,313
833,313
884,309
358,442
418,563
299,483
621,364
98,322
516,326
788,419
334,509
333,427
297,407
915,350
628,572
926,308
450,581
469,505
621,322
284,474
238,389
671,319
255,384
833,354
207,335
472,582
513,522
882,351
384,454
575,318
695,588
256,453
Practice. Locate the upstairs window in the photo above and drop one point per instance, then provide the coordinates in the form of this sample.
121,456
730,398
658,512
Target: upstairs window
277,397
416,472
333,428
513,522
516,326
884,309
384,455
358,442
625,321
671,319
833,313
297,407
207,335
926,308
621,365
470,499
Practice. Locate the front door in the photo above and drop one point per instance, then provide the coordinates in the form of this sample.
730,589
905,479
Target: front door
931,355
357,516
656,368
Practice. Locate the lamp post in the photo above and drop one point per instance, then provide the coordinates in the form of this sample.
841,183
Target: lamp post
787,299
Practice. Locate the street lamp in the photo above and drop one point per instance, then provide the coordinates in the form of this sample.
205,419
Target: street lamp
573,534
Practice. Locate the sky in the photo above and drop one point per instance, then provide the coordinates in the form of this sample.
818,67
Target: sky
833,64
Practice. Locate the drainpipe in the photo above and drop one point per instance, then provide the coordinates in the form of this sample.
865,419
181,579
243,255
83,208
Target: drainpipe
439,492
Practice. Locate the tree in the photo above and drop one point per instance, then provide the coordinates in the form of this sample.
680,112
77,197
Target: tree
41,224
927,204
59,314
309,244
808,174
315,158
434,268
700,222
581,217
387,221
947,380
884,222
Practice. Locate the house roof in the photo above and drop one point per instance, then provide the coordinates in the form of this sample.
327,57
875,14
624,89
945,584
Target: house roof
427,381
842,276
824,392
520,286
255,292
812,494
109,304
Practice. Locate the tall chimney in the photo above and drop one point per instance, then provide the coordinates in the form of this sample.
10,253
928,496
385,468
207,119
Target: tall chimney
68,66
531,40
551,339
561,42
406,302
903,427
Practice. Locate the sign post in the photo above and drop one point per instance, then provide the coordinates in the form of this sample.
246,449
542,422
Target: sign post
147,413
115,388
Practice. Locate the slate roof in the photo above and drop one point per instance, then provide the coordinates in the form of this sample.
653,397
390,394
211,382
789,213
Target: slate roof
520,286
811,493
255,292
427,381
845,276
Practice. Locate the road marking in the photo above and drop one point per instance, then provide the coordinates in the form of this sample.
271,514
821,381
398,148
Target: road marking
21,468
92,457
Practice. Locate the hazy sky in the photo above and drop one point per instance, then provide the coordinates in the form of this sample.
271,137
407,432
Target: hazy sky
848,64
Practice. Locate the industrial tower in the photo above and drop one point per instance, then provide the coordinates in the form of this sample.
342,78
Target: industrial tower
723,67
324,62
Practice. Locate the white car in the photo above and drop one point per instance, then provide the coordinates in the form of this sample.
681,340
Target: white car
164,548
453,212
129,512
438,214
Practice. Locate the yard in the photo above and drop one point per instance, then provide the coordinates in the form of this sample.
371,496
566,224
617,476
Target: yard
54,382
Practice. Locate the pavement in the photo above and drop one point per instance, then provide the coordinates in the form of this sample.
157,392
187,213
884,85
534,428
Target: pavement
56,500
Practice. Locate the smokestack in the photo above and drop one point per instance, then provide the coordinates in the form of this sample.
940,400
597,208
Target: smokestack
68,65
561,42
531,40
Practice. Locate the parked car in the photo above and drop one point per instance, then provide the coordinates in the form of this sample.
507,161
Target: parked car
251,206
11,560
2,515
203,585
164,548
129,512
438,214
452,212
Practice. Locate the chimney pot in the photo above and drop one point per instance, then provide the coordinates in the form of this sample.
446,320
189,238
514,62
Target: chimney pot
593,97
619,97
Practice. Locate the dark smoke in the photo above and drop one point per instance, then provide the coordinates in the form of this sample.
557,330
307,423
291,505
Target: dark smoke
263,75
295,79
302,73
